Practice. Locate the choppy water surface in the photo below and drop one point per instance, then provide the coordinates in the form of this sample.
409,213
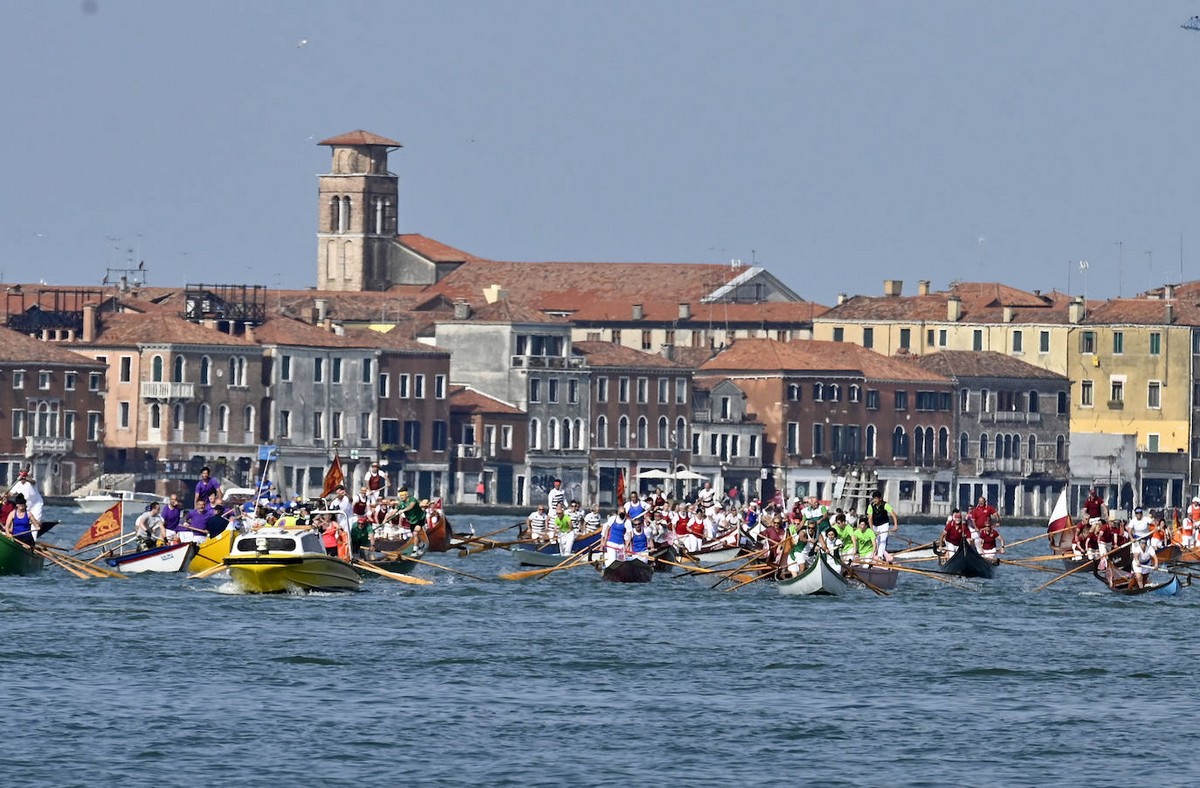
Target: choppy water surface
158,680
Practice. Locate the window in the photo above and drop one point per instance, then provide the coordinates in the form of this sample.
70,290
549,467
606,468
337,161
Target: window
1116,390
926,400
335,426
616,336
18,423
1154,394
680,436
793,437
43,380
943,447
680,391
156,369
285,368
318,370
93,426
402,385
223,418
318,425
1118,342
177,416
964,400
985,401
1087,342
983,446
205,371
506,433
367,367
1018,341
623,432
872,399
335,372
901,400
793,392
602,433
1152,442
662,432
535,389
929,337
868,338
726,410
977,339
1155,343
1034,402
905,338
122,416
834,392
941,337
248,418
601,389
818,444
285,423
573,391
1086,397
237,371
412,434
643,439
439,388
623,390
855,393
870,438
643,390
818,392
1032,455
385,382
664,391
69,425
94,379
1063,407
126,373
839,334
418,387
441,432
552,390
899,444
964,446
1044,342
179,370
364,426
647,340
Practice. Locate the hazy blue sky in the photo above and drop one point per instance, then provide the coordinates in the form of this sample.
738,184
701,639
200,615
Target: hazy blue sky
839,143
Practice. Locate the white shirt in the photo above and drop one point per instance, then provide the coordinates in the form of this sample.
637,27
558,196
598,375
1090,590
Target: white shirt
1140,527
33,498
554,498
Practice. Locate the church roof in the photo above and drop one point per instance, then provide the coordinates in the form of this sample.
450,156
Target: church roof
360,137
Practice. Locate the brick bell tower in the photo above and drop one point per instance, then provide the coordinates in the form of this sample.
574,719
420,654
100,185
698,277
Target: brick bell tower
356,213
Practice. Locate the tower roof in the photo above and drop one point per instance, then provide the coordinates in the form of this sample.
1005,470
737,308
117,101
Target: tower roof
360,137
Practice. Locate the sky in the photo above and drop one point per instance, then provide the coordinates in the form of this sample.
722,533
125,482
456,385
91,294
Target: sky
837,144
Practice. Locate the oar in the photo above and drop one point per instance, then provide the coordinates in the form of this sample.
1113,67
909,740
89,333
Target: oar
474,538
212,570
121,542
443,568
913,549
936,576
879,591
729,573
1082,566
54,559
94,571
367,565
916,560
566,564
1045,535
764,576
1034,567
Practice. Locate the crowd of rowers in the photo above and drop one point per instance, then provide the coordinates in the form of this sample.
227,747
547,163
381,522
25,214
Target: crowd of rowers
787,534
1132,546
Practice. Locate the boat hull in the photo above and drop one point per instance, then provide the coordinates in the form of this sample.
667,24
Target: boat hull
170,558
16,559
631,570
819,578
268,574
213,551
881,577
719,556
967,562
549,555
1168,588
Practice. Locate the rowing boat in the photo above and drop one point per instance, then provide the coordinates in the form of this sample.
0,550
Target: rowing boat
274,560
1119,583
717,554
629,570
822,577
212,551
882,577
17,559
549,554
398,562
165,559
967,562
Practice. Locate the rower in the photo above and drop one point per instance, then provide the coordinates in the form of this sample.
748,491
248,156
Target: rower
564,530
882,517
1145,560
1187,529
956,532
616,537
149,527
639,540
1140,525
990,541
536,523
865,548
21,525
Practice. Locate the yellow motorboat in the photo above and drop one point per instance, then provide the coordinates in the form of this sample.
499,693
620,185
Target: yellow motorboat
275,560
212,551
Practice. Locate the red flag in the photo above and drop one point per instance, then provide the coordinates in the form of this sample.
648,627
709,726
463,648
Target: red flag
107,526
334,477
620,488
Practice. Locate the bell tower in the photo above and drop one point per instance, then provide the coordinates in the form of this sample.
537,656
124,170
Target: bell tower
356,213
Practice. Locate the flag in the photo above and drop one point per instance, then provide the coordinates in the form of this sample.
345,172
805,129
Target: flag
334,477
620,488
1060,517
107,526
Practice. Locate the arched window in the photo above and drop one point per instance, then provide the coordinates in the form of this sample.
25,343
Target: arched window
237,371
602,432
1016,449
919,440
855,393
552,434
870,440
964,446
223,418
899,443
1032,447
681,432
205,416
793,392
205,371
344,216
943,450
818,392
834,393
643,439
579,443
928,455
178,417
567,434
983,446
662,432
999,444
1033,402
335,214
623,432
1060,448
156,369
178,369
155,417
248,418
535,434
1007,448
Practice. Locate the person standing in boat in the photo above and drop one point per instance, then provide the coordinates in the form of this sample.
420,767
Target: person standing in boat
20,523
410,509
956,532
27,486
865,543
1140,525
1094,506
330,534
149,527
616,537
376,483
638,539
556,496
577,515
207,485
194,528
563,529
172,514
592,519
881,517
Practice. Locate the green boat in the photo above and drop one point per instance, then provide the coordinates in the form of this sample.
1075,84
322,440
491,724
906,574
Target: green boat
17,559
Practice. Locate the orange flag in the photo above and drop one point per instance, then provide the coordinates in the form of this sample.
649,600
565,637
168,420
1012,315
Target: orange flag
106,527
334,477
620,488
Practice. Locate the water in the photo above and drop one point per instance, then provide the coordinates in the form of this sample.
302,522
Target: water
162,681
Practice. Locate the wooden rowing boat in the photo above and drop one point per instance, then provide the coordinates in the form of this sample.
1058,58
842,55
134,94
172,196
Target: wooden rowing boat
1119,583
398,562
967,562
17,559
549,555
879,575
820,578
717,554
165,559
629,570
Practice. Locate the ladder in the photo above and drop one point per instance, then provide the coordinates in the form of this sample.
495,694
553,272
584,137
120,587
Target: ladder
853,491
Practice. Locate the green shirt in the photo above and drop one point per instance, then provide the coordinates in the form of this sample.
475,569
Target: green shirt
864,541
413,513
563,523
360,534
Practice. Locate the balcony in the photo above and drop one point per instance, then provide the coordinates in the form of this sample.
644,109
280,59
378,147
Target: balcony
547,362
40,446
167,391
474,451
1010,417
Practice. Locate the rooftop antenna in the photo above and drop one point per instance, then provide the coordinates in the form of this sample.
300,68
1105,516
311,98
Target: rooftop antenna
1120,265
1083,269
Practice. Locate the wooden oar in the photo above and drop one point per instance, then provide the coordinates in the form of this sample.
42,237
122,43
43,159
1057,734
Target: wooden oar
367,565
566,564
1081,567
1034,567
94,571
941,578
474,538
756,578
212,570
443,568
57,561
1045,535
106,553
729,573
879,591
916,560
914,549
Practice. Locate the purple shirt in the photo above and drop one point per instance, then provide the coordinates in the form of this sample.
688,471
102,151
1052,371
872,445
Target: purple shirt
198,518
204,488
171,515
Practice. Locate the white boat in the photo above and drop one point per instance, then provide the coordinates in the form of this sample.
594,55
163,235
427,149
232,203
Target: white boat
819,577
168,558
99,501
716,554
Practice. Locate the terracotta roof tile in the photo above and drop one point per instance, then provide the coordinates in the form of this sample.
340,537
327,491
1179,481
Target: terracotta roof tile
286,331
360,137
464,399
22,349
505,311
395,341
978,307
608,354
159,327
667,311
1138,311
981,364
436,251
768,355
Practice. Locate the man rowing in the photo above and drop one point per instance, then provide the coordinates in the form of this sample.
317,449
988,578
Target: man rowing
956,532
991,543
616,537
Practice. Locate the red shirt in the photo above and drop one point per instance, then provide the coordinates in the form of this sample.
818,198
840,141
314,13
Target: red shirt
981,515
988,537
955,532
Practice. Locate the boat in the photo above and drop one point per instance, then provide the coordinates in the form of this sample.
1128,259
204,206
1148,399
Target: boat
549,555
914,552
275,560
168,558
718,553
398,561
662,557
213,550
100,501
628,570
1120,584
879,575
967,562
17,559
821,577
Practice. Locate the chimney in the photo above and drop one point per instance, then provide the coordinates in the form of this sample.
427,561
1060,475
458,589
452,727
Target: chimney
89,324
842,298
321,305
893,287
1008,314
494,293
638,312
668,352
1075,310
1170,313
923,287
462,310
1168,292
954,309
685,310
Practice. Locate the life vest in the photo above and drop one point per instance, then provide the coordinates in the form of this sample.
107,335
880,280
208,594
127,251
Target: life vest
1194,512
879,514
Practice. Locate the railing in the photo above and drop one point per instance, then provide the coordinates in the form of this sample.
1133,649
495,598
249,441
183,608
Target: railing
1010,417
547,362
161,390
40,445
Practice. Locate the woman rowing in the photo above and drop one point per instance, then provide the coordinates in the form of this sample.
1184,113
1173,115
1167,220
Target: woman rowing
616,537
21,525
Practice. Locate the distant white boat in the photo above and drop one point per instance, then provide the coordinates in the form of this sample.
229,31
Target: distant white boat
100,500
